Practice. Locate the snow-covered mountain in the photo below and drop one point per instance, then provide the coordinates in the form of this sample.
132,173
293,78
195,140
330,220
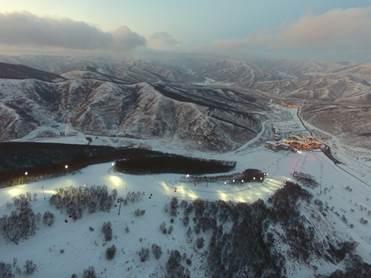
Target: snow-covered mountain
99,104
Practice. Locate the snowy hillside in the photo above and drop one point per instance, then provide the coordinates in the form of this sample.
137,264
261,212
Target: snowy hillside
100,105
331,219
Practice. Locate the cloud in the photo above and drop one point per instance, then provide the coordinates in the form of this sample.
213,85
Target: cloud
25,29
340,29
162,40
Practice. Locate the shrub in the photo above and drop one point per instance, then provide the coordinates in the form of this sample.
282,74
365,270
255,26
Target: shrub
75,200
173,206
174,267
89,273
107,231
143,254
139,212
29,267
6,270
163,228
110,252
48,218
156,251
200,243
21,223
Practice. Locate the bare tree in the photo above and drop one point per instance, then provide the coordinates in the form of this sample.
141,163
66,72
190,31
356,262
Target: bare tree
107,231
110,252
48,218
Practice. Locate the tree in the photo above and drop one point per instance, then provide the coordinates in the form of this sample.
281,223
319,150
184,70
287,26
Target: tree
21,223
143,254
29,267
6,270
107,231
89,273
48,218
110,252
139,212
200,243
156,251
173,206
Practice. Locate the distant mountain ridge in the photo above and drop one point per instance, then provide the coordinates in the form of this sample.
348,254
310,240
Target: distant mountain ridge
97,104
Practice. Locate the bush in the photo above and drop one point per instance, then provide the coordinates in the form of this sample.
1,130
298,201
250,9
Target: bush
156,251
21,223
200,243
48,218
110,252
143,254
174,267
163,228
174,206
139,212
75,200
6,270
29,267
107,231
89,273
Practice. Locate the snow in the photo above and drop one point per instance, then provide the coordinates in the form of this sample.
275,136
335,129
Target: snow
83,248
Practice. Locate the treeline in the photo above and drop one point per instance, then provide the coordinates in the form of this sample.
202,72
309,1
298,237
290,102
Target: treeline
244,240
24,162
157,163
22,222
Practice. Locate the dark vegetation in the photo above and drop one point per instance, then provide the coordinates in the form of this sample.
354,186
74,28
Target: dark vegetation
43,160
89,273
75,200
305,179
12,71
8,270
174,266
156,163
156,251
143,254
21,223
110,252
48,218
354,268
248,247
107,231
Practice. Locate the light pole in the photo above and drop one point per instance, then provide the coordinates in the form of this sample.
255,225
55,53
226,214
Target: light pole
119,200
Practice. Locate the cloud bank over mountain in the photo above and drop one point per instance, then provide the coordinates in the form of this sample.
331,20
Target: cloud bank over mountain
28,30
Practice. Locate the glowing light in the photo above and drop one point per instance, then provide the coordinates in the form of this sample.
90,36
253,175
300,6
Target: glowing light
187,175
26,173
113,164
222,196
116,181
66,166
253,178
233,180
51,192
243,181
13,192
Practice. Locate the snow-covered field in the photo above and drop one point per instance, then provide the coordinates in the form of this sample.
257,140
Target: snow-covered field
341,192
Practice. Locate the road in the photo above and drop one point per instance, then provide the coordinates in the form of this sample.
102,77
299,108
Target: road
334,160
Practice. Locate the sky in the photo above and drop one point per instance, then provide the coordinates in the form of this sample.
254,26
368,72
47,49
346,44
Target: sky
332,28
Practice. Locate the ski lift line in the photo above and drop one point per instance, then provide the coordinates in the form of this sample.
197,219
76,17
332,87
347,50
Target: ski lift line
349,173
